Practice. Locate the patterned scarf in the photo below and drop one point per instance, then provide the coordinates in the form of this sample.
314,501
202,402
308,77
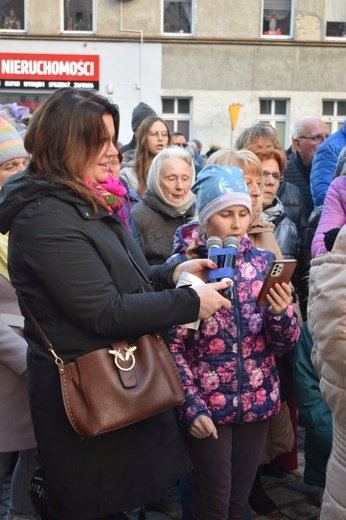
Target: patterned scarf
111,194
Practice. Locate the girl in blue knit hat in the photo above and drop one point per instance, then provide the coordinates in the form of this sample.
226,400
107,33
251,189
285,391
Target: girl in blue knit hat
228,366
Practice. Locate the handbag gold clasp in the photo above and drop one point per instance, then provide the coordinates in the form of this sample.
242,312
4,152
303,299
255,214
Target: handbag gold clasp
118,356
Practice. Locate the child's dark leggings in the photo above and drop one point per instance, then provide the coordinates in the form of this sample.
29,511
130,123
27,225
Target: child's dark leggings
224,469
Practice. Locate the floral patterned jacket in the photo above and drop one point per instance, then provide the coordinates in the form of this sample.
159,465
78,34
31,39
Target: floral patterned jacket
228,366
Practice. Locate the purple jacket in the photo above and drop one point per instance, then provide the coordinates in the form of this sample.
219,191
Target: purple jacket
228,367
333,214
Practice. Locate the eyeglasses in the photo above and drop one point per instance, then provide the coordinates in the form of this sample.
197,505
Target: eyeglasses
158,134
315,138
276,175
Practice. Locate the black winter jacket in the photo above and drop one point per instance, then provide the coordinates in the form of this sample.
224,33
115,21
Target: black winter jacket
285,232
293,202
297,173
301,275
76,271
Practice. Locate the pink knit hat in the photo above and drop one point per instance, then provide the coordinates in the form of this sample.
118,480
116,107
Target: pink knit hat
11,143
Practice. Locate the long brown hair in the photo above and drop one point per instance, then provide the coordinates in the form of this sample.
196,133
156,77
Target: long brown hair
143,159
66,134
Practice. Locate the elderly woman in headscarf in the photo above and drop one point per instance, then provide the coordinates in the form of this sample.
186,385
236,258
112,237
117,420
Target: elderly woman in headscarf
166,204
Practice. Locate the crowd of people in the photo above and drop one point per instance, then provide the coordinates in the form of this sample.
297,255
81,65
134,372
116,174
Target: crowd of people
95,236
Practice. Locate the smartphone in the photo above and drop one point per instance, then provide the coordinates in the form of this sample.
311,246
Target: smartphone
280,271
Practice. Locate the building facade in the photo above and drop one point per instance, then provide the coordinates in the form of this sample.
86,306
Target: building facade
191,60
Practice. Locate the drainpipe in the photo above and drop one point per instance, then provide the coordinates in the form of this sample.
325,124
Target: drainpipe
139,83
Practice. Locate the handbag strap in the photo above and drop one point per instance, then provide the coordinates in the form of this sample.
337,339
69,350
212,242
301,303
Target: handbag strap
39,331
137,268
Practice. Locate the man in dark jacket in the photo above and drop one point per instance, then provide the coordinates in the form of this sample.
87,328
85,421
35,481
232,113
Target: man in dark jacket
308,133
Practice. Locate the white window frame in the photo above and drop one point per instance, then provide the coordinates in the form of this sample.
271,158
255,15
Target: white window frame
336,12
278,36
24,22
334,121
273,118
77,31
178,34
176,116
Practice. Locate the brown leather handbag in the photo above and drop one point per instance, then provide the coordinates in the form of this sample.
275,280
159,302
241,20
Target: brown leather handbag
116,386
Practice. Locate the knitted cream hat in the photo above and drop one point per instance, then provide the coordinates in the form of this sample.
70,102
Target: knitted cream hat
11,143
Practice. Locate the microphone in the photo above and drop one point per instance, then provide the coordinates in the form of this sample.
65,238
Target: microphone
213,244
231,246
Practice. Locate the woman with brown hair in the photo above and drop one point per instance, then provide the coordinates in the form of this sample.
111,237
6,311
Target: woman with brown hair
286,233
264,136
153,137
87,283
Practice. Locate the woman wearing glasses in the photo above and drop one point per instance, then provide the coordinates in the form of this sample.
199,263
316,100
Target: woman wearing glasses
153,137
286,233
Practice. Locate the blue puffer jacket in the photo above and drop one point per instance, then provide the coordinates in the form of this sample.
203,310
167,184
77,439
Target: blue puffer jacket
323,164
228,366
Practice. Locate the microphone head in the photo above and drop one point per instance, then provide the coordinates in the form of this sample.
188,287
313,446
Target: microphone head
231,242
214,241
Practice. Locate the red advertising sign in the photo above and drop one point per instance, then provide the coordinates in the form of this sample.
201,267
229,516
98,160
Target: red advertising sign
49,71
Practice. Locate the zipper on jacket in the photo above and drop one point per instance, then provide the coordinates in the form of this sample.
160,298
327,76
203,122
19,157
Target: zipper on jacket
239,355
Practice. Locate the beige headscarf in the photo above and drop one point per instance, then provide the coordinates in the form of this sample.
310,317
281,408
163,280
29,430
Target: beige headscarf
261,235
153,182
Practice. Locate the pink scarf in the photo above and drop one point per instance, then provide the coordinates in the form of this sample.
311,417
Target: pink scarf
111,194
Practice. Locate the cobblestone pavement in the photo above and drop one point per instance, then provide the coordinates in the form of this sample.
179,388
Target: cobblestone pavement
294,500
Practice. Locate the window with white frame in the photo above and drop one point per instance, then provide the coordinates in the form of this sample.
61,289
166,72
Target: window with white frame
277,19
12,15
334,114
78,15
177,114
336,19
178,17
275,112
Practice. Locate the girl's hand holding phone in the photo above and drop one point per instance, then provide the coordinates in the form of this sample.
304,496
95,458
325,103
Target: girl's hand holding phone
279,297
